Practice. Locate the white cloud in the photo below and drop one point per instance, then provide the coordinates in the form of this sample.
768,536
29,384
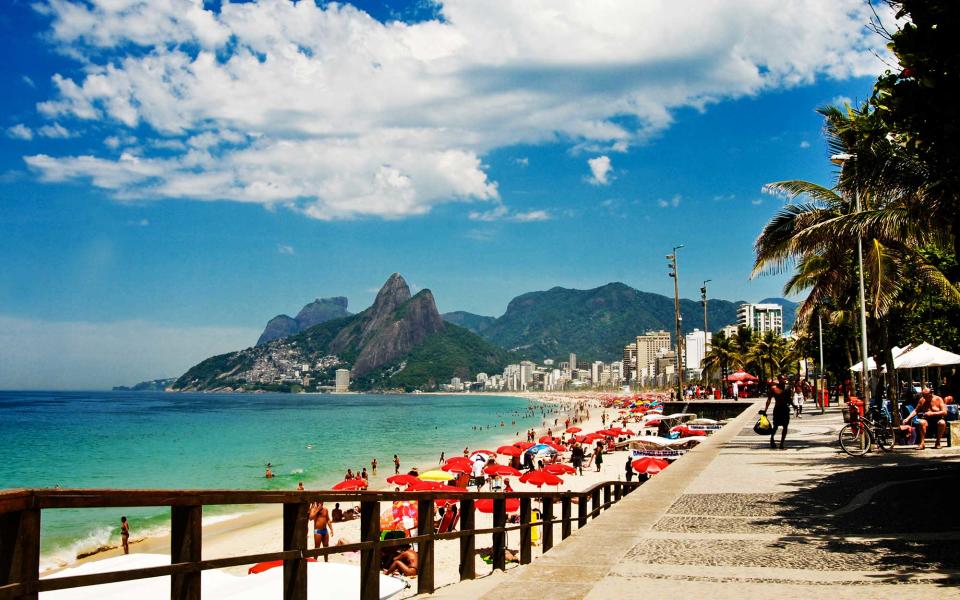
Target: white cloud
804,144
20,132
26,79
343,116
502,213
87,355
286,249
55,130
600,168
756,201
841,101
522,161
672,202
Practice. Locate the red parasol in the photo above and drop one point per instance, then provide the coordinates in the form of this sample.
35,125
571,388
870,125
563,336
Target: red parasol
556,446
351,484
740,376
524,445
266,566
649,465
503,470
573,430
509,451
559,469
544,439
485,505
539,478
404,479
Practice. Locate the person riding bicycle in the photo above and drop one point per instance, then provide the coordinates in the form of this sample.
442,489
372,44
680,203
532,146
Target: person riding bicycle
930,412
780,393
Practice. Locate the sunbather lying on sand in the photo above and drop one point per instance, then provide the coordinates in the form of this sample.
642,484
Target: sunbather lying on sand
405,563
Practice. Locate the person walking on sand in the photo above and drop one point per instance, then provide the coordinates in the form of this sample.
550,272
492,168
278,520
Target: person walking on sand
125,534
396,464
598,456
322,527
373,466
628,470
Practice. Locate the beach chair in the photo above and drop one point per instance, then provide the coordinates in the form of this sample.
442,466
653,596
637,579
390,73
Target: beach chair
449,522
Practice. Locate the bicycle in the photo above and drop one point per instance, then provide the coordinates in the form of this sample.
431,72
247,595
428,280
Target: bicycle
858,436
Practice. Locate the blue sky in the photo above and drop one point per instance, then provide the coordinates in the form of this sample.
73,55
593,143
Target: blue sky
172,175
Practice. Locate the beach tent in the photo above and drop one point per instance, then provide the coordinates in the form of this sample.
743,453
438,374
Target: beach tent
926,355
872,364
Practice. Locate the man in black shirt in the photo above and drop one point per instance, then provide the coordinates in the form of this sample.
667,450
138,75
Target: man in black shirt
780,394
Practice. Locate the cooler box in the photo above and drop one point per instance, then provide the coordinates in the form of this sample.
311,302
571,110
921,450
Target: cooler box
716,394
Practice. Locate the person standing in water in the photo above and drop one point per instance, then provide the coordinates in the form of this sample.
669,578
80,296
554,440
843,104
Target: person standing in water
396,464
125,534
373,466
269,473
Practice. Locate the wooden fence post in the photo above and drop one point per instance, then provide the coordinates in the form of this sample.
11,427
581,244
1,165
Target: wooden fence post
547,517
595,503
565,516
20,550
295,535
500,538
606,496
617,491
186,539
526,533
370,558
581,511
468,544
425,548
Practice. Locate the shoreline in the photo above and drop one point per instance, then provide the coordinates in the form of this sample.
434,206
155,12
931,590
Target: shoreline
259,521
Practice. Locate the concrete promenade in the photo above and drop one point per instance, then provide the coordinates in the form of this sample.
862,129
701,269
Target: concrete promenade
736,519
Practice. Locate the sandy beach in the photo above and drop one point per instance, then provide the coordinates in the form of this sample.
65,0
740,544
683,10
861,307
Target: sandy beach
260,529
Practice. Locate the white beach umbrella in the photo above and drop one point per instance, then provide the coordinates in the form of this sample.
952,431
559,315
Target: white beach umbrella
926,355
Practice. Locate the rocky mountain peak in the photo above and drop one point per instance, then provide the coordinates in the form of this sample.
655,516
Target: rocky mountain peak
393,293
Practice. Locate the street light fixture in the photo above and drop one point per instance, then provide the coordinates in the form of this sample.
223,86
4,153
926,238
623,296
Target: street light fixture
678,355
842,159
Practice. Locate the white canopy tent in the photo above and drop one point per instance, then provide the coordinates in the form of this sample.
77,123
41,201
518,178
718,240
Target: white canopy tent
925,355
872,364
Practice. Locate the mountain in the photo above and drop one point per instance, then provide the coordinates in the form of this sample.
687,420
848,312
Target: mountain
398,342
318,311
594,323
789,311
475,323
156,385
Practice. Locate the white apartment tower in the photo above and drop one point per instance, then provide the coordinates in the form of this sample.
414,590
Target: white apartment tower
342,381
761,317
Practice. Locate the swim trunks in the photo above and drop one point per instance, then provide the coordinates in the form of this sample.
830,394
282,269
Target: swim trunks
320,531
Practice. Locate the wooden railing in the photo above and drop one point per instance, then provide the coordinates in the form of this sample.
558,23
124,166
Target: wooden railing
20,514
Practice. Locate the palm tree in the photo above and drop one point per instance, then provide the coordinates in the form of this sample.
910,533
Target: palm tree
723,355
817,236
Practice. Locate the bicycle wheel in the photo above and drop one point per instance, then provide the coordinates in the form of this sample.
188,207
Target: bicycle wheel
883,434
855,439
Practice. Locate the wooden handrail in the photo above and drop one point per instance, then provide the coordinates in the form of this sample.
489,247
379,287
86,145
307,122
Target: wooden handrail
20,532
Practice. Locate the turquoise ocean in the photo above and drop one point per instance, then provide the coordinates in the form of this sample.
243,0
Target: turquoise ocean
224,441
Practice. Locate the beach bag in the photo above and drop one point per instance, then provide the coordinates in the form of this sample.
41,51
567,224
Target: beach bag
763,426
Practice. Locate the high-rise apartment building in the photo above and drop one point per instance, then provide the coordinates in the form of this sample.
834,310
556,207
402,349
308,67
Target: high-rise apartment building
342,381
695,348
649,345
761,317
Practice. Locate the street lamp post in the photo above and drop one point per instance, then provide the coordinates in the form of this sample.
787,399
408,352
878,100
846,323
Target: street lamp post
842,159
704,377
678,355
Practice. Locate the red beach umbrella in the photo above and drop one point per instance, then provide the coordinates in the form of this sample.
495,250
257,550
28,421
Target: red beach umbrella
539,478
425,486
404,479
457,468
509,451
524,445
649,465
556,446
740,376
489,453
485,505
573,430
270,564
545,439
502,470
559,469
351,484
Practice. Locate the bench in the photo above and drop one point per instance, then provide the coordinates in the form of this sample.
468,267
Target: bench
952,419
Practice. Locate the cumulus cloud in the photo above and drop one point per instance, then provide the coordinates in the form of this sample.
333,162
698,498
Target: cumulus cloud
804,144
55,130
672,202
502,213
599,170
329,112
20,132
286,249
